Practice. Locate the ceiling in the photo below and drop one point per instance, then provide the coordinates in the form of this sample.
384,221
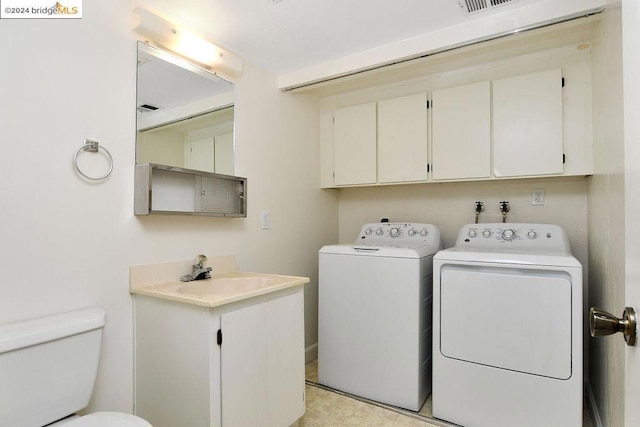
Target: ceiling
286,35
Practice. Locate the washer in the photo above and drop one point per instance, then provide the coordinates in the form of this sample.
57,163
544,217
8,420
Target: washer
374,314
508,328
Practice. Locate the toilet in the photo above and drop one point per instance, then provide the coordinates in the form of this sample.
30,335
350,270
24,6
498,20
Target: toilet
48,368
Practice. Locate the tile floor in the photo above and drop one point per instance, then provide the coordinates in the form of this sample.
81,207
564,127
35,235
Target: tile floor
328,408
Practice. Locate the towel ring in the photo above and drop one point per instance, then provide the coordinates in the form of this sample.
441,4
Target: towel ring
92,147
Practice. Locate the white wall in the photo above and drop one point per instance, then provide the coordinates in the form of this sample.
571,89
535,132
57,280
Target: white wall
606,218
68,243
451,205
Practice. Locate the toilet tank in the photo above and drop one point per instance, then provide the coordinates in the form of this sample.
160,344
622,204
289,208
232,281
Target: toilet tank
48,366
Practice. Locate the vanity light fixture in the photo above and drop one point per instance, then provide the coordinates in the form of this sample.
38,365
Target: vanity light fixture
169,36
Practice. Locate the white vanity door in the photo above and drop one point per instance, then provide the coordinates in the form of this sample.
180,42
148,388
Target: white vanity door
262,363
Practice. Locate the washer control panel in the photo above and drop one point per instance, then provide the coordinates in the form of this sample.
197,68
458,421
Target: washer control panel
398,234
516,235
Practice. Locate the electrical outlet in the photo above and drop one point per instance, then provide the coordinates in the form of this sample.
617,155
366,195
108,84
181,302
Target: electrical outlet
537,197
266,220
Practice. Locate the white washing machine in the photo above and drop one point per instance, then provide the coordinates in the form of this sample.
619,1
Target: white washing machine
374,314
508,328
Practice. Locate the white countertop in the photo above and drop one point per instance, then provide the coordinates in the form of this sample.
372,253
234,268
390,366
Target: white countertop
170,290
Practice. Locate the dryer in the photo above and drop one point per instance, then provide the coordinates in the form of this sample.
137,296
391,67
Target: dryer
374,313
508,328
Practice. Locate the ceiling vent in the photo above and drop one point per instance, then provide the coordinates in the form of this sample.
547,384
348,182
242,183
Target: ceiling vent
145,107
472,6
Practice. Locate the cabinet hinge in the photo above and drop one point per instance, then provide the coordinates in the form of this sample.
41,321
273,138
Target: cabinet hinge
563,82
219,337
564,159
428,104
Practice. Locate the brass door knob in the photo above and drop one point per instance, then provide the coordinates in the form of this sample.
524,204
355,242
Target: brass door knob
602,323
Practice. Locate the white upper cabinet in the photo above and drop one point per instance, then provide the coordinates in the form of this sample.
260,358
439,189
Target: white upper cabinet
402,139
461,132
527,125
354,144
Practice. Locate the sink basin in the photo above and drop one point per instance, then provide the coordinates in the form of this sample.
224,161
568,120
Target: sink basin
224,285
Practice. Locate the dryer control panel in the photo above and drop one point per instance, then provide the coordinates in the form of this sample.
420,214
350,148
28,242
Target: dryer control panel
398,234
523,236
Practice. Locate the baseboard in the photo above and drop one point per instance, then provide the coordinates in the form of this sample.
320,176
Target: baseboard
592,407
311,353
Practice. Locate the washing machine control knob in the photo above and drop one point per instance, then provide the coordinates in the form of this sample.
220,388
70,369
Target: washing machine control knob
532,234
486,234
394,232
508,234
412,232
368,231
379,232
473,233
424,233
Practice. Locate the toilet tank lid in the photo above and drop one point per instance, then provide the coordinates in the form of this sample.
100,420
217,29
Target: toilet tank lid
14,336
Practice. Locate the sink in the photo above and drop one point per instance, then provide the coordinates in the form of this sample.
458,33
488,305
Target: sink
224,285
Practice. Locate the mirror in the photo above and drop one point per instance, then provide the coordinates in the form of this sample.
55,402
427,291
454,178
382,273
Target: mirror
184,114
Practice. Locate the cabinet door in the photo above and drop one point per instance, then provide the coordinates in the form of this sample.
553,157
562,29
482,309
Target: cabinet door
527,124
262,363
402,139
199,154
461,126
354,140
224,154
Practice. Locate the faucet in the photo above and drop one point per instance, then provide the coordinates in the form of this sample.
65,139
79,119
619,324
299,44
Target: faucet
479,208
504,208
199,272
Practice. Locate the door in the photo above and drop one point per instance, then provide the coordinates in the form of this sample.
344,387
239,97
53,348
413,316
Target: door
262,363
223,157
199,155
506,303
631,82
402,139
354,141
527,124
462,132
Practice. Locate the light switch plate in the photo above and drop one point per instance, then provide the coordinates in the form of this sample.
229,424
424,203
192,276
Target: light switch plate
266,220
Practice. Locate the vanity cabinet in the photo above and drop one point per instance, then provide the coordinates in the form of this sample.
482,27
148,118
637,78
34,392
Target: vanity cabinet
261,363
235,365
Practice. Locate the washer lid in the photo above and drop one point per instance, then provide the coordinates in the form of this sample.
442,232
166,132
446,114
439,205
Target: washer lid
378,251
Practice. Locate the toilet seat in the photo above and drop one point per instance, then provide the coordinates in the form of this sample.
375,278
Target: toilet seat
108,419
